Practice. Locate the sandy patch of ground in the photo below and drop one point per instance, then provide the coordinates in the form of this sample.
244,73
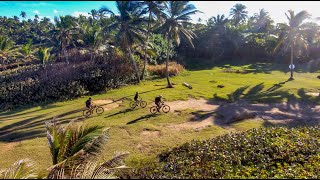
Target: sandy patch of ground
107,104
8,146
195,104
284,113
150,134
312,94
195,125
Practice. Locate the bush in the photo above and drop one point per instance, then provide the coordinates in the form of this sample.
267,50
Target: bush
256,153
160,70
61,81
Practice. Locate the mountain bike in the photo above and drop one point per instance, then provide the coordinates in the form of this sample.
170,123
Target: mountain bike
88,112
165,108
140,102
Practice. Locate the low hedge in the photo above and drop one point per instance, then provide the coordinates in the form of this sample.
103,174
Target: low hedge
61,81
256,153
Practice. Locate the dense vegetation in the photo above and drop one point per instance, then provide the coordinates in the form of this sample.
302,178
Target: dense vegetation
41,61
256,153
143,33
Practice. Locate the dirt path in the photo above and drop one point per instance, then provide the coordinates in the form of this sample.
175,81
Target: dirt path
291,113
107,104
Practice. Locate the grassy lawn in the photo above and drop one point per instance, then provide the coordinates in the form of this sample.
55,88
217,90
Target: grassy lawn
22,133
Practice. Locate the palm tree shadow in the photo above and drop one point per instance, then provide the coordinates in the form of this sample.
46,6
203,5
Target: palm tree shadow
143,117
120,112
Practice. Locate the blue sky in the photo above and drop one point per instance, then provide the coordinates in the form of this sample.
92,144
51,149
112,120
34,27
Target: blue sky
210,8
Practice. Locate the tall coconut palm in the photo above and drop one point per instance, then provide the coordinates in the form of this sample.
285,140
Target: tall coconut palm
36,18
94,14
92,38
262,21
16,18
238,13
218,23
292,34
7,49
176,16
23,14
154,9
127,26
65,28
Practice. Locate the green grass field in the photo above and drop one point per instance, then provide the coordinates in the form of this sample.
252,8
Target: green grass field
22,132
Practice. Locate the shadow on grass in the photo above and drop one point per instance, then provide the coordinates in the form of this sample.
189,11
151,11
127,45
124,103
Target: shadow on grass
146,117
120,112
295,112
21,130
255,94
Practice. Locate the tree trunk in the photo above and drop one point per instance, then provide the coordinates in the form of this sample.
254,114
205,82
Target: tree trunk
134,64
65,55
167,61
145,49
291,62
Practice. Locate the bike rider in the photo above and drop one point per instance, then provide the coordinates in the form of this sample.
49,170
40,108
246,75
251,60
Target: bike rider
89,103
157,101
136,97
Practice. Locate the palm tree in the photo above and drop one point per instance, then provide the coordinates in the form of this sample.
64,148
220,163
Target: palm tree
238,13
73,145
23,14
7,49
94,13
218,23
43,55
91,170
27,51
92,38
292,34
154,9
16,18
64,30
127,25
36,18
176,16
262,21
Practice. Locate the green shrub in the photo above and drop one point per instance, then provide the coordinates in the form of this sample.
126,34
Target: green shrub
256,153
61,81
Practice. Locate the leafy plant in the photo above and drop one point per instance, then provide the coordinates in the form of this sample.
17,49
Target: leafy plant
22,169
256,153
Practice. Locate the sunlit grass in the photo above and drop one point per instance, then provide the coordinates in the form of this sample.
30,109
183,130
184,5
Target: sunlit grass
26,126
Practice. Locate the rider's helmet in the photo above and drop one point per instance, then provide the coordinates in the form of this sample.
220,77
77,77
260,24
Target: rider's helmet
160,96
90,98
137,93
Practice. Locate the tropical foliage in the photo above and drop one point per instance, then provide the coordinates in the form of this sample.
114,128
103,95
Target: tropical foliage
256,153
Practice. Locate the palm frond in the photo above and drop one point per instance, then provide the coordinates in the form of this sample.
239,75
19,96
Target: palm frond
22,169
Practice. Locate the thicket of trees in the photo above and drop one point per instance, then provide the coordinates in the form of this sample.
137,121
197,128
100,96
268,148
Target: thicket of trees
153,32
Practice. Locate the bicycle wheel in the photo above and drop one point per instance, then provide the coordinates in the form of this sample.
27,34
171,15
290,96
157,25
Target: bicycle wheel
153,109
165,108
87,112
133,104
99,110
143,104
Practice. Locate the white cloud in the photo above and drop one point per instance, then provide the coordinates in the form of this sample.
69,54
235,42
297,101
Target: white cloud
55,11
77,14
36,12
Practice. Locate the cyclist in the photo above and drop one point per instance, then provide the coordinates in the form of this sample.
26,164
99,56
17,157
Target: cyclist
136,97
89,103
157,101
